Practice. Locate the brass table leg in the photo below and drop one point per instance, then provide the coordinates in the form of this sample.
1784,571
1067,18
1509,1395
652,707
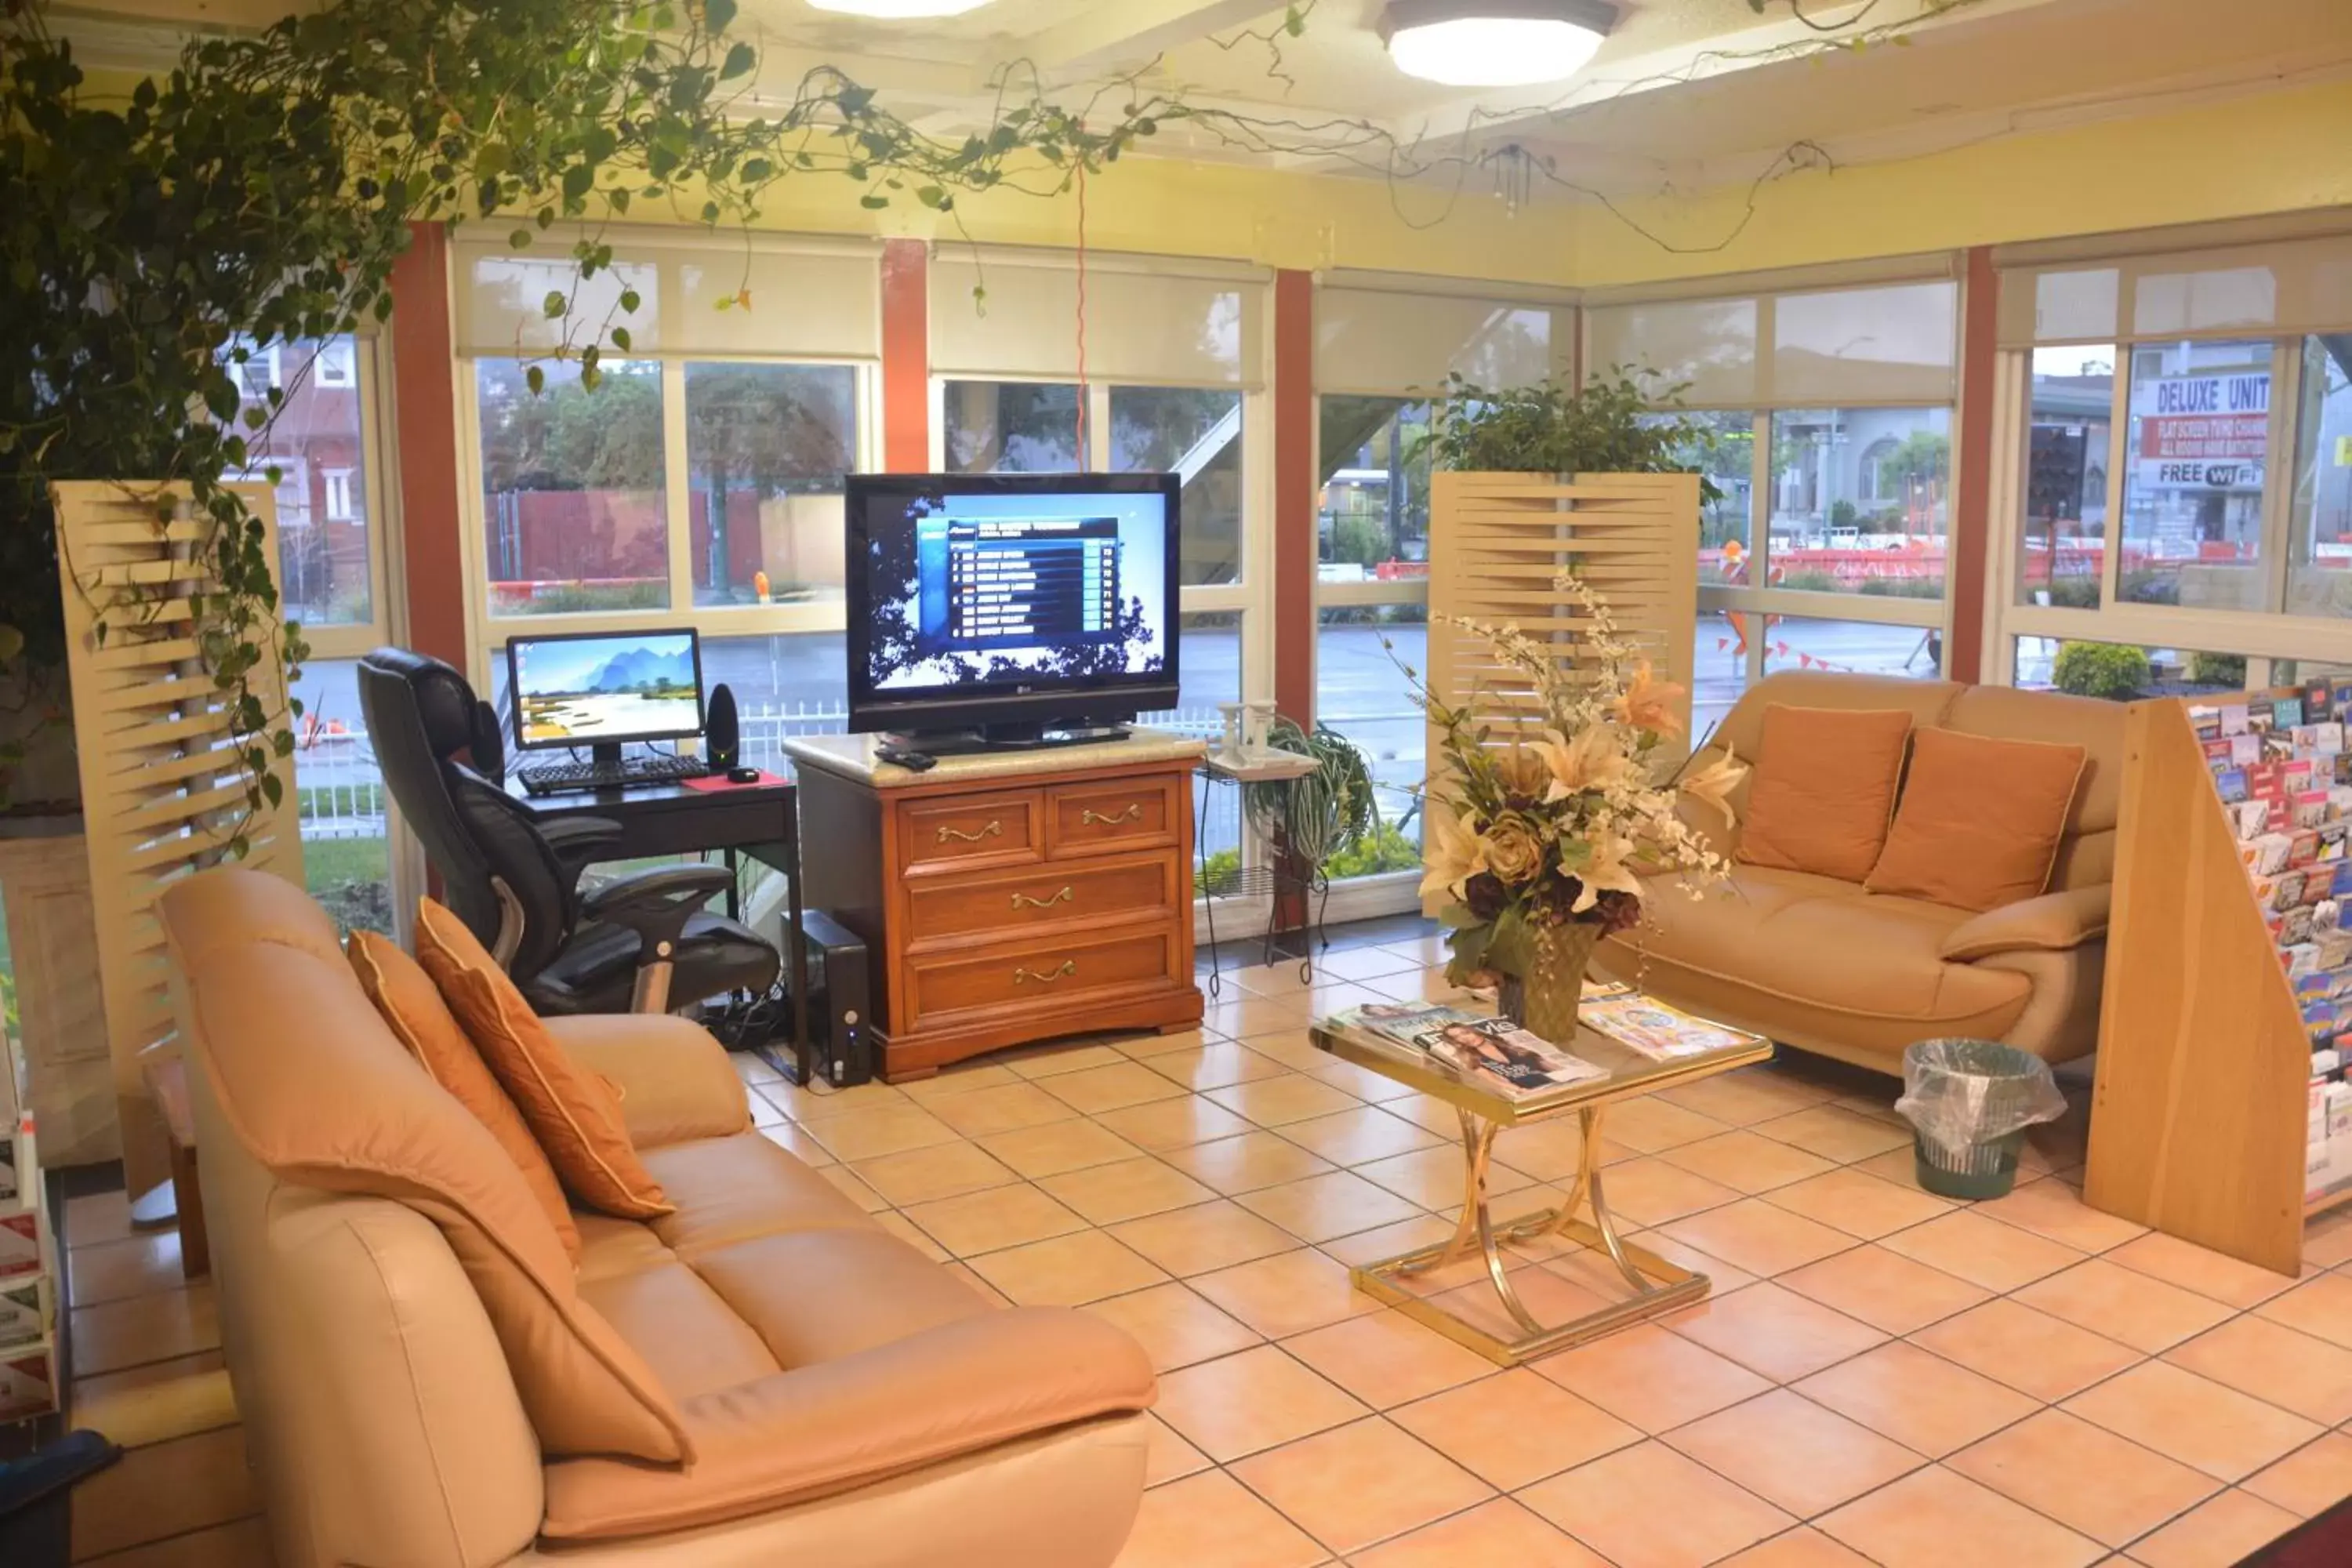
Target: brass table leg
1658,1286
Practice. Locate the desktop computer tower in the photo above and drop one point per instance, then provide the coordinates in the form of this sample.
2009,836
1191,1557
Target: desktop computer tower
840,1000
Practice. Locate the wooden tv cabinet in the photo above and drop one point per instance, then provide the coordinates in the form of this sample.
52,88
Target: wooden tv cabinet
1007,898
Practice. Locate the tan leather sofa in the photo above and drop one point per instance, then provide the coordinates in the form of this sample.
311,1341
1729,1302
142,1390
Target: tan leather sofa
1823,966
845,1401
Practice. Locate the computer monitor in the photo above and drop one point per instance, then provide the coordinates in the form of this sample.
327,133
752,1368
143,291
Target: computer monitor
605,688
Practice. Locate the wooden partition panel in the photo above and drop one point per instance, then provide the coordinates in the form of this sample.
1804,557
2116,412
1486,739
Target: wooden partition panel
163,790
2198,1118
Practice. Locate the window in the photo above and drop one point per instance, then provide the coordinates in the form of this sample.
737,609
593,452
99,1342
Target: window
573,511
1372,524
1209,673
339,507
2198,446
340,800
316,438
767,447
2064,541
1725,457
256,373
784,685
1011,427
2319,527
1195,434
1719,666
2125,673
334,367
1860,501
1854,648
1361,692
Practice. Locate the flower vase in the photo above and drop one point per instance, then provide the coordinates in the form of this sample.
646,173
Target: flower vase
1544,1000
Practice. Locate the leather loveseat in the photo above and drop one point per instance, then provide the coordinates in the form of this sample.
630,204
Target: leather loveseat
763,1376
1821,964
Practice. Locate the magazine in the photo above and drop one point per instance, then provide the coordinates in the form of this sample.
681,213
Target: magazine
1657,1031
1494,1052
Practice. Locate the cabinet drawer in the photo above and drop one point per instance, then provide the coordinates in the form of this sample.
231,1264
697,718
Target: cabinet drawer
1039,974
968,829
1007,904
1119,813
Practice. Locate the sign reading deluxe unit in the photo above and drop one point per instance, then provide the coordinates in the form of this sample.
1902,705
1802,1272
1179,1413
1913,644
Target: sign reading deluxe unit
2204,432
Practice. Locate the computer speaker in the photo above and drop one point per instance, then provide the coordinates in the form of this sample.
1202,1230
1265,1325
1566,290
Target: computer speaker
722,732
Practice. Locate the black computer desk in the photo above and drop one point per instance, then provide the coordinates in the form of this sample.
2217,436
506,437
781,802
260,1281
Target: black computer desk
758,820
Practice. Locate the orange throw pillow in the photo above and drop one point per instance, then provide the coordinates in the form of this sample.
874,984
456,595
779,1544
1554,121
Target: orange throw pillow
575,1118
413,1009
1981,820
1824,788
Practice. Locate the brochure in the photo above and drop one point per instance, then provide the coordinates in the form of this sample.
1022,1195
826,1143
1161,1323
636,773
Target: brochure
1657,1031
1491,1051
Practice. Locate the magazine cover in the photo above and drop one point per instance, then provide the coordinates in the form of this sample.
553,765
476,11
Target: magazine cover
1657,1030
1403,1022
1501,1052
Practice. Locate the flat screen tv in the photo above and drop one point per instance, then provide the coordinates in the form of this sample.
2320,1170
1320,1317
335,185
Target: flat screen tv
1009,608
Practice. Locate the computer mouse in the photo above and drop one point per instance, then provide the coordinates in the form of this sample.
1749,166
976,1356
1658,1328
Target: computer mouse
743,776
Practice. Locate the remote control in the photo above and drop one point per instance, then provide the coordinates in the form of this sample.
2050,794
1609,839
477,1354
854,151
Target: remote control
913,762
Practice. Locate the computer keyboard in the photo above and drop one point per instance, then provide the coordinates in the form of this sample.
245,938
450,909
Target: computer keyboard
559,778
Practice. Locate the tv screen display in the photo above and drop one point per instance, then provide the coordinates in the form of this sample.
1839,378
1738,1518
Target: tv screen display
980,598
584,690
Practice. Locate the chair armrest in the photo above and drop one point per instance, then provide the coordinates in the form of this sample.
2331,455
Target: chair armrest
832,1425
657,904
674,1080
2050,923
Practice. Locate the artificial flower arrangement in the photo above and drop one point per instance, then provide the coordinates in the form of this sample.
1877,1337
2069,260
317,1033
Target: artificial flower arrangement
1539,828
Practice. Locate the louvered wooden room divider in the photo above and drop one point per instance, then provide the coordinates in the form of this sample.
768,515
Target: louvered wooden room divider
163,789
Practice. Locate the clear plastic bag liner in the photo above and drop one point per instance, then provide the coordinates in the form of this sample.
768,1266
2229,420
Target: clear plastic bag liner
1963,1093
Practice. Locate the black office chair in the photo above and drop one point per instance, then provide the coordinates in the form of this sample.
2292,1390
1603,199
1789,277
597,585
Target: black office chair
627,945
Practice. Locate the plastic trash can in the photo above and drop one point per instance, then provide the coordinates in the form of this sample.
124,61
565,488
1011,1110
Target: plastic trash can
1969,1103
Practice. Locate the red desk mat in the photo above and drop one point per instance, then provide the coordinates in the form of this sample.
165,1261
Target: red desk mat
721,781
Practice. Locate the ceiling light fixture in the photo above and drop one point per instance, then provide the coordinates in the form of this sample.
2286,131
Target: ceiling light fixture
1494,43
898,10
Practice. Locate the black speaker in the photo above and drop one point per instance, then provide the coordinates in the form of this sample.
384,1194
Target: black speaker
722,733
840,1000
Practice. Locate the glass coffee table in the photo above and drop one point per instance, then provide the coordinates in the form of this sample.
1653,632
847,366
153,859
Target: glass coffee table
1655,1286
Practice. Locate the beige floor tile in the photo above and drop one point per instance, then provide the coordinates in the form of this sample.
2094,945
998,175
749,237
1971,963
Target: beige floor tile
1059,1146
164,1489
1775,1332
1502,1532
995,1219
1361,1483
1255,1158
1366,1085
1722,1277
1067,1272
2272,1361
1755,1237
135,1266
1386,1359
1514,1429
2223,1279
1211,1518
1884,1289
1801,1547
2225,1530
1836,1133
1433,1177
1128,1189
1793,1453
2055,1210
1650,1507
1286,1294
1550,1151
243,1544
1175,1327
1213,1065
2223,1433
824,1102
1046,1061
1320,1208
1744,1098
1650,1377
1549,1293
986,1291
2084,1477
959,1077
1288,1047
852,1187
1253,1016
1004,1109
2311,1480
1161,1125
1362,964
1120,1084
794,1139
1859,1203
2327,1240
906,1230
1360,1133
1389,1240
97,1218
1653,1192
2000,1257
1256,1399
1278,1102
2029,1351
892,1129
157,1402
1651,1125
1935,1517
1145,1045
2144,1313
1203,1237
161,1326
2321,1308
1170,1458
1748,1162
942,1171
1278,979
1921,1401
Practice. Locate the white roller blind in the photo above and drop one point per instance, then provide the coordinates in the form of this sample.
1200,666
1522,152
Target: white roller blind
1143,325
1881,343
815,300
2281,287
1384,340
1709,344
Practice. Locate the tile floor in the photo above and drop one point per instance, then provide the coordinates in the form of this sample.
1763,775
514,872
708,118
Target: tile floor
1881,1376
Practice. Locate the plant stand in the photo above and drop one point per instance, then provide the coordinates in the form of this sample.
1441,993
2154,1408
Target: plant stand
1276,879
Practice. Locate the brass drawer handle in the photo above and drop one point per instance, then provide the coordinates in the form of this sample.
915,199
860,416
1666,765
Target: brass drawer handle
1069,967
1088,816
951,836
1023,901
